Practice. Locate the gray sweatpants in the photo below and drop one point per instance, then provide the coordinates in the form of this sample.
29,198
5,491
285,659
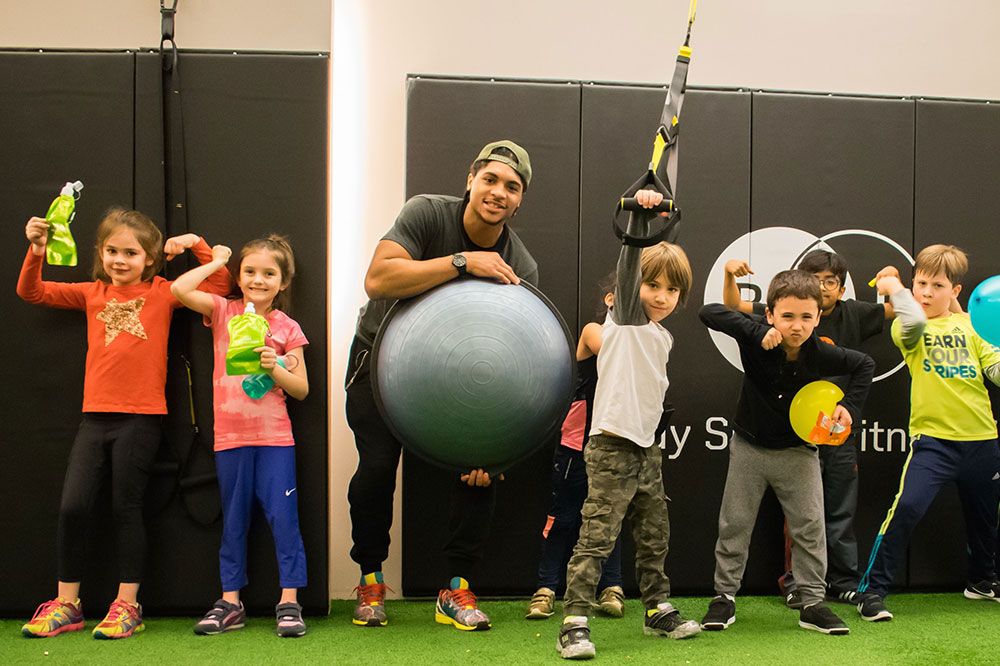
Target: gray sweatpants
794,474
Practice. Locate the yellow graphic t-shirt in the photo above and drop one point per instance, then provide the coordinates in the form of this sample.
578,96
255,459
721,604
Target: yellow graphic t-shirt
948,398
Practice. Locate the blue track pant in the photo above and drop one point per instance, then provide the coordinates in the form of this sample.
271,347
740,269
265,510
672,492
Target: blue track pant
266,473
975,468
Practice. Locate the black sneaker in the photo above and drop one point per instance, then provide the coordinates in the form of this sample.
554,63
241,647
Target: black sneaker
721,613
223,616
845,596
872,608
984,589
290,624
794,600
819,617
665,620
574,641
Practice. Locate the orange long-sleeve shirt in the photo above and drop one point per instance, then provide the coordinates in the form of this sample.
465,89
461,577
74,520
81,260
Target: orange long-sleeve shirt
127,328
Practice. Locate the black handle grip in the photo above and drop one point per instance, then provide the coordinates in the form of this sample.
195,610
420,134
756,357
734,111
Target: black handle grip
630,204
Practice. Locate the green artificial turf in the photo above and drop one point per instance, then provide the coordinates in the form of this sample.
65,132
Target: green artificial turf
928,629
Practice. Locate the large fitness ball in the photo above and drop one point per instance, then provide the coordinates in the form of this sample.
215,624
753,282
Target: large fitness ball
473,373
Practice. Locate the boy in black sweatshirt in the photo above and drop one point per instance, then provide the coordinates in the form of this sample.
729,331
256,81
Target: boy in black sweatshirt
780,356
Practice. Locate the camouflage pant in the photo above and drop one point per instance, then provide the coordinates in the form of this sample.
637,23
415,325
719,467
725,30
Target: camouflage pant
624,480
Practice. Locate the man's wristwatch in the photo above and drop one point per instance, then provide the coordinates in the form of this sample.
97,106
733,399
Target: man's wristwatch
458,261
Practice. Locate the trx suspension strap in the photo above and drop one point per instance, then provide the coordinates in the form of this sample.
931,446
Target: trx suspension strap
175,199
661,175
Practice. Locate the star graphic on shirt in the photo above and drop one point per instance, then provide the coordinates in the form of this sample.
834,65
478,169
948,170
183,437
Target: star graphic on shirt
122,317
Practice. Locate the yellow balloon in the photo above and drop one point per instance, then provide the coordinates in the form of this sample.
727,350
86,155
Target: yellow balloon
809,402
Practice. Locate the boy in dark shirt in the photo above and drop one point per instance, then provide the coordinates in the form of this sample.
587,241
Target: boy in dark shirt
845,323
779,358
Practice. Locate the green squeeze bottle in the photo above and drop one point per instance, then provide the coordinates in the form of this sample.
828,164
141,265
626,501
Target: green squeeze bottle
247,331
60,250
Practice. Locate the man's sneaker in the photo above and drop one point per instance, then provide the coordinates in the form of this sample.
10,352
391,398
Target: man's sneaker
794,599
665,620
721,613
222,617
123,620
290,623
612,601
819,617
984,589
370,609
54,617
574,640
458,607
872,608
542,604
845,596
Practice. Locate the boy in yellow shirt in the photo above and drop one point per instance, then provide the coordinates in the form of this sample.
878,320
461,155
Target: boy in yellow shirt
953,434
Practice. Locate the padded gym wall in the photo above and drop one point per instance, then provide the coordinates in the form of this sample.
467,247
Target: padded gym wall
448,122
256,162
870,177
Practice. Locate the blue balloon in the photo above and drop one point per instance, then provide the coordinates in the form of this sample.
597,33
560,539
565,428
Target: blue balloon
984,308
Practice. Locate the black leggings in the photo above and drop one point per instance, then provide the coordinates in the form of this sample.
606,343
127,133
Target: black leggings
125,445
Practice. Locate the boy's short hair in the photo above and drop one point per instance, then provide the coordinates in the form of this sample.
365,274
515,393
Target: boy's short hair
795,283
818,261
669,260
946,259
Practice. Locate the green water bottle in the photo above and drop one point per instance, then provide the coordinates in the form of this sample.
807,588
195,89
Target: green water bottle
257,386
247,332
60,249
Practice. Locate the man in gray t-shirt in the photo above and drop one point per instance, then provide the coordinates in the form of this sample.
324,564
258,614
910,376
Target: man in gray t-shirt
435,239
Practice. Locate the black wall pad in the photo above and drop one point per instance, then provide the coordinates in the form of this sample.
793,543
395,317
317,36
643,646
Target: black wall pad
957,162
824,165
447,123
256,156
68,116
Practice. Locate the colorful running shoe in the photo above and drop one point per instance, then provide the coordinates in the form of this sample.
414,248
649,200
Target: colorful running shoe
458,607
370,609
53,618
123,620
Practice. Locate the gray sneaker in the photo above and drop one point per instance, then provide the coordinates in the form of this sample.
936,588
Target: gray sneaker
574,641
665,620
223,616
793,599
290,623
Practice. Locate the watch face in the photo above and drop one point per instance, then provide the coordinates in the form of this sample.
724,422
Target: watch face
458,260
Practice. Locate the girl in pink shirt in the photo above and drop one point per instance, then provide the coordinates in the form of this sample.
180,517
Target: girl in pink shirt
254,447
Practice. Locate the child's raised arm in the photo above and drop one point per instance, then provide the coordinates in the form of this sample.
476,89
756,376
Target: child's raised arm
30,285
216,283
735,268
185,288
911,317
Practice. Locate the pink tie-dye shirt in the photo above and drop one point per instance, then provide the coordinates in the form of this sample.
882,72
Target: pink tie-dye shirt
239,419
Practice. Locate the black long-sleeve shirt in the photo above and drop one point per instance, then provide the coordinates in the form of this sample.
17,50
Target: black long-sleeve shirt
770,380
